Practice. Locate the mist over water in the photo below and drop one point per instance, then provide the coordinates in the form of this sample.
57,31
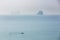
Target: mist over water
33,27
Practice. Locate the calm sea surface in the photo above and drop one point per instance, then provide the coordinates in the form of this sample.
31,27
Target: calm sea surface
33,27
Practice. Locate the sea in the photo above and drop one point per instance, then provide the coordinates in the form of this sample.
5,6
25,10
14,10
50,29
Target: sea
45,27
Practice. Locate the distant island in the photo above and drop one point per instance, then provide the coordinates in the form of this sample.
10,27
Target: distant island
40,13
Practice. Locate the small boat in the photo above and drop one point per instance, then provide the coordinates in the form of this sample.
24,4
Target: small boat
22,32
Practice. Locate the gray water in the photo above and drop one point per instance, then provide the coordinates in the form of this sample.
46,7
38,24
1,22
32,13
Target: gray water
34,27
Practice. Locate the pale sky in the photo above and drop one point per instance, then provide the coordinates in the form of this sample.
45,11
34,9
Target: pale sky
29,7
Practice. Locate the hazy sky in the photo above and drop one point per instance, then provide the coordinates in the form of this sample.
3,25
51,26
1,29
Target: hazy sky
29,7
